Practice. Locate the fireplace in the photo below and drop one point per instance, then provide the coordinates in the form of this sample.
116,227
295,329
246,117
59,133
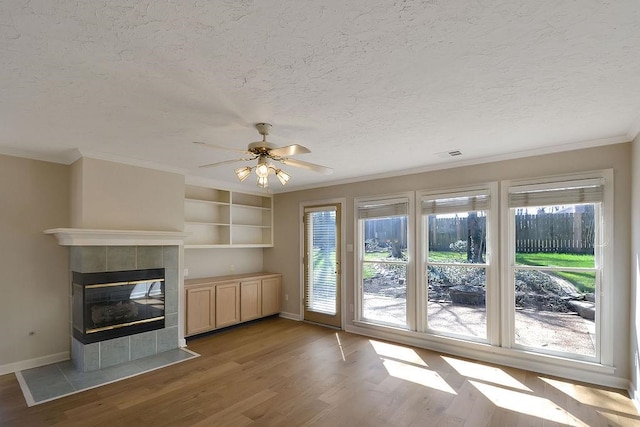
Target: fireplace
114,304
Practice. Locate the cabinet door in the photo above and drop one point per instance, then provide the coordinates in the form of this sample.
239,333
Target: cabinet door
200,309
250,307
227,304
270,296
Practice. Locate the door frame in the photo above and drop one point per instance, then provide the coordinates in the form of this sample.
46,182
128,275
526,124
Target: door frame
342,202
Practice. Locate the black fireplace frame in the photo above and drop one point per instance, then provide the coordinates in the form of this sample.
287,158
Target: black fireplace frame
128,277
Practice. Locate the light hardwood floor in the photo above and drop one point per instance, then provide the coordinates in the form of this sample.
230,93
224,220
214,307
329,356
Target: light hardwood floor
281,372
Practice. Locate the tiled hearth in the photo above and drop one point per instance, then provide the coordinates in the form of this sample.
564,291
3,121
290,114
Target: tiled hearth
104,354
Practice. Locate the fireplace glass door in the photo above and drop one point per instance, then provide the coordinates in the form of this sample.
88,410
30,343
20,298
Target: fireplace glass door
112,304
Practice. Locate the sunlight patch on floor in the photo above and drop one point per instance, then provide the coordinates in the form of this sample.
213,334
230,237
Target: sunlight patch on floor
340,347
526,404
605,399
397,352
486,373
405,364
417,375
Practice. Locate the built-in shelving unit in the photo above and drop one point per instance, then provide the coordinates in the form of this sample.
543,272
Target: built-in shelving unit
219,218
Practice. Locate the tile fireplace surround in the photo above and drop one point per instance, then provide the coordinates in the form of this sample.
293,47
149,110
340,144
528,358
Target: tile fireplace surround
103,354
94,251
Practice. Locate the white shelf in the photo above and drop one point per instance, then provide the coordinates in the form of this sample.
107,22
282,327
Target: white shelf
206,223
211,202
220,218
260,208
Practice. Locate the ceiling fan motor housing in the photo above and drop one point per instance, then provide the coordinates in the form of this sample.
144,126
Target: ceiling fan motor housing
260,147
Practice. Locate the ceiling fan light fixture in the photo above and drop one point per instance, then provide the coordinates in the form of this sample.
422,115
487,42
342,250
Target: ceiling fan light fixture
243,173
263,182
266,153
283,176
262,169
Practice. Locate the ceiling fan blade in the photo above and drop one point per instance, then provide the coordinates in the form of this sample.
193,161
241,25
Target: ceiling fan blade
306,165
225,162
235,150
289,150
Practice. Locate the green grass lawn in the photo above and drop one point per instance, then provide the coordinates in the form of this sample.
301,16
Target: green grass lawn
446,256
585,282
369,270
556,260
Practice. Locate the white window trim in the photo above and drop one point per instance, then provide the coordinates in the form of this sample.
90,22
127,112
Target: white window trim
492,261
604,309
359,255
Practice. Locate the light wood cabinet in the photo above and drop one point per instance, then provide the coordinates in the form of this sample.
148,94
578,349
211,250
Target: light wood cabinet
250,300
201,309
227,304
221,218
270,295
218,302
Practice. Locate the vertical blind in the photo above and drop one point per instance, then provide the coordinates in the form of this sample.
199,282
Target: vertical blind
320,274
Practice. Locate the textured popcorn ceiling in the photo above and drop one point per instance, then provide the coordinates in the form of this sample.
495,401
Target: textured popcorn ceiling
371,87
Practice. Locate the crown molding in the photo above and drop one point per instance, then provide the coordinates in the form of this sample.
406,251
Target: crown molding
470,162
65,157
634,129
129,161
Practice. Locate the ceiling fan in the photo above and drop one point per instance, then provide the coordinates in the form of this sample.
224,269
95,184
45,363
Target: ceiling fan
267,154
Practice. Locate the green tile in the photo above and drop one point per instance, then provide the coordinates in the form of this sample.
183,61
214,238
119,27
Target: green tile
149,257
170,257
143,345
114,352
121,258
88,259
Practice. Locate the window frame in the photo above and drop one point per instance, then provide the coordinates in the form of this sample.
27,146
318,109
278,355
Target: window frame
407,197
604,259
491,264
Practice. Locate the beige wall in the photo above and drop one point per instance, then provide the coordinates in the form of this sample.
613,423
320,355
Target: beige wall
286,253
34,196
221,262
635,274
115,196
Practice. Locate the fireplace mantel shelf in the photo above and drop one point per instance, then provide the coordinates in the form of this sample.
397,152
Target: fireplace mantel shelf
93,237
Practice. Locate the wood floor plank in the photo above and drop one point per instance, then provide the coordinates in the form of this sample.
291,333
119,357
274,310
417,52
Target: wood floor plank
278,372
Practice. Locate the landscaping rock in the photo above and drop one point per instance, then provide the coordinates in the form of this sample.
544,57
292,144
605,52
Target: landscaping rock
585,309
467,295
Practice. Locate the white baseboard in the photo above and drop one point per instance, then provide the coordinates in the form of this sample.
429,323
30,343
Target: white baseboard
34,363
290,316
634,395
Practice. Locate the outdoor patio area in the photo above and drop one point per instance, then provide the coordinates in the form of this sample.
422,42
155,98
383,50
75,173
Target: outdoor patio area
566,332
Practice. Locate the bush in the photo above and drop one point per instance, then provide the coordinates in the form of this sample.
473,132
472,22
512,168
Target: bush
460,246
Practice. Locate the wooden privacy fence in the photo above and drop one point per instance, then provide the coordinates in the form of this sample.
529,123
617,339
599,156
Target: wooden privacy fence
568,232
561,232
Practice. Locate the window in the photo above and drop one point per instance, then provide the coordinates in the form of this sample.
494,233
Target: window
556,267
455,264
383,254
548,294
